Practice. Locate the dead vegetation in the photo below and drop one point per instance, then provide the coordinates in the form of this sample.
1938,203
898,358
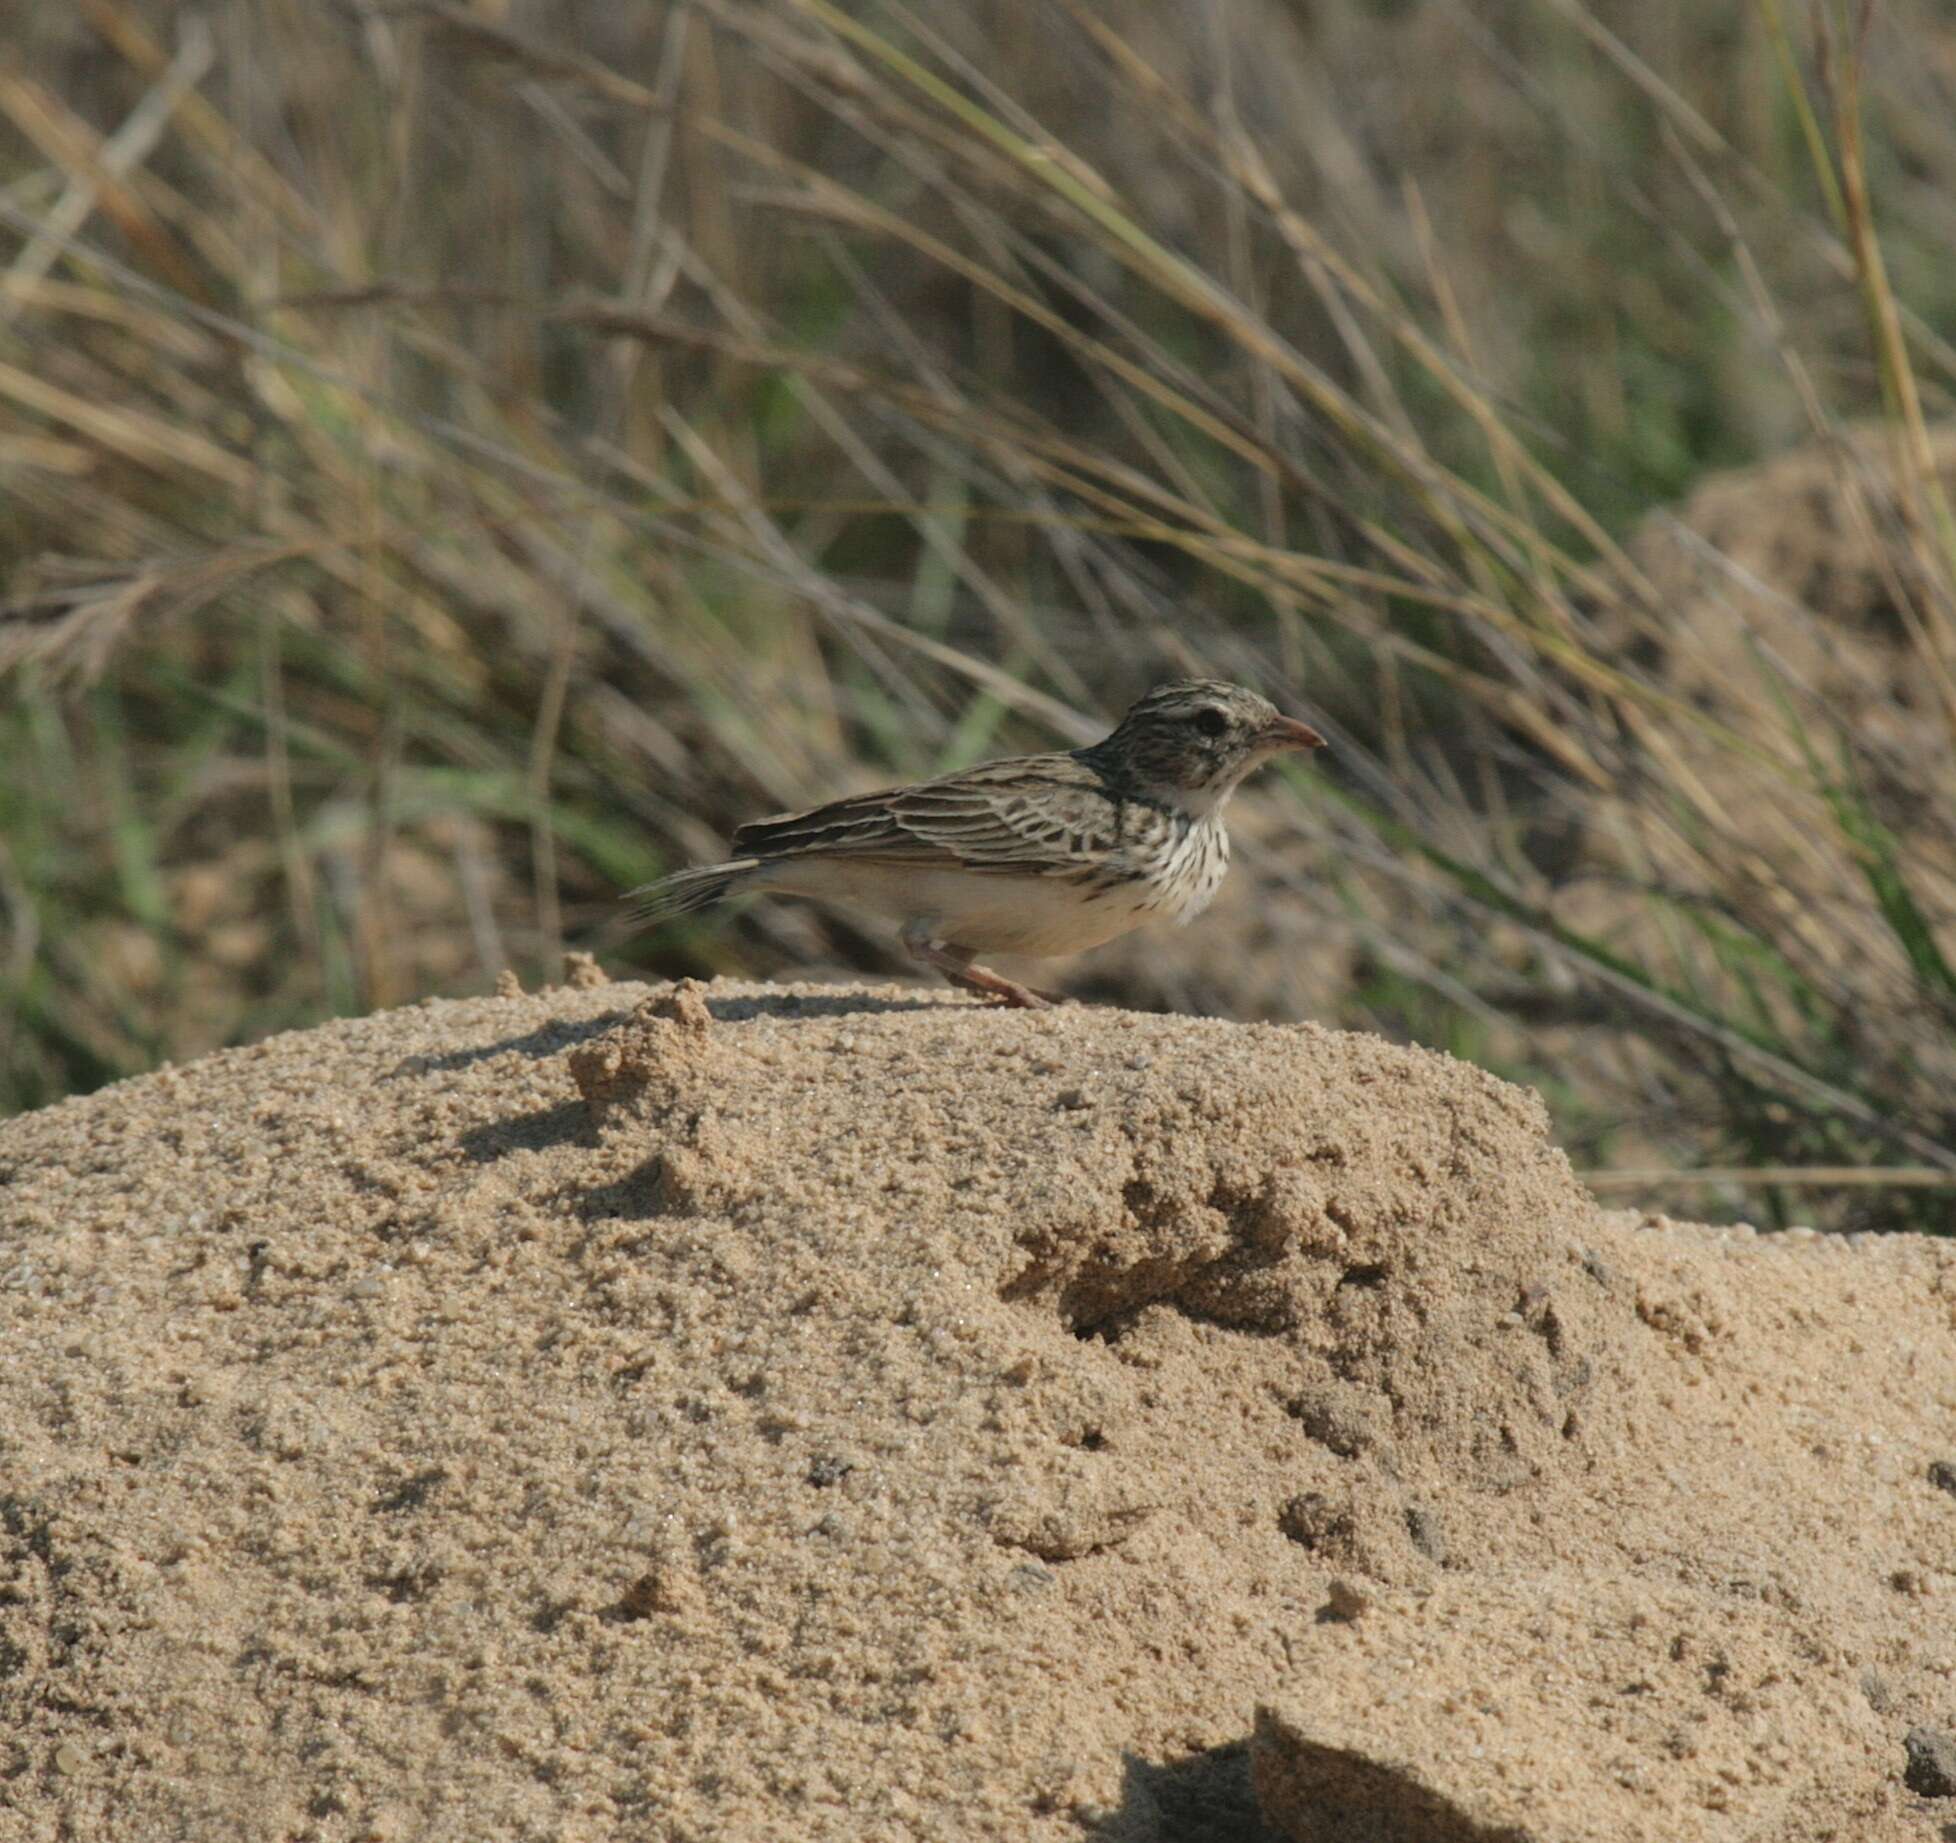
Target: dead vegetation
458,460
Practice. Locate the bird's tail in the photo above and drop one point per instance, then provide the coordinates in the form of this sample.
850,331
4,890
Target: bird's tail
687,890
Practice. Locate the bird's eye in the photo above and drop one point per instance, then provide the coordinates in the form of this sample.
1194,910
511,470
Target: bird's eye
1211,721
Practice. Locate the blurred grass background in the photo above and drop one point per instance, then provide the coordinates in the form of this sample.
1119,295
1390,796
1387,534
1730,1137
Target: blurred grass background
458,460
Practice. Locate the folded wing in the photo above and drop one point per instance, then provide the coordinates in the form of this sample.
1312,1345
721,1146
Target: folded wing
1036,815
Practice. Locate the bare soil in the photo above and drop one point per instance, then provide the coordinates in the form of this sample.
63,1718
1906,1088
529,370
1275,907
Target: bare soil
739,1412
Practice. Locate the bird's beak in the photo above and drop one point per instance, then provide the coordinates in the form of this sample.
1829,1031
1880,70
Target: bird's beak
1284,733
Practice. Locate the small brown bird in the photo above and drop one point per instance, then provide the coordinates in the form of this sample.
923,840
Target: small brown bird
1036,854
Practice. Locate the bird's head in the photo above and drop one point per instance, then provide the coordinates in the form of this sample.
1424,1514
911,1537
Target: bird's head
1190,742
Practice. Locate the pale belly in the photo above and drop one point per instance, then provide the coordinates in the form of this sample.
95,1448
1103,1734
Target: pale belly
986,912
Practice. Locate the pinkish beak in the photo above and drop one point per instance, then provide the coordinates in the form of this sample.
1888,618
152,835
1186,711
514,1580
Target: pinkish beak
1283,733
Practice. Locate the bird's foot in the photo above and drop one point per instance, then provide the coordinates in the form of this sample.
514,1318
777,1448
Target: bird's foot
955,964
1008,991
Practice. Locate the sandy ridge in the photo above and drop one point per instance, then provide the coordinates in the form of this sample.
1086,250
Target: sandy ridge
750,1411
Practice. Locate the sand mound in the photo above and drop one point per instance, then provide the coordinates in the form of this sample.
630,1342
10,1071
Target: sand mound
744,1412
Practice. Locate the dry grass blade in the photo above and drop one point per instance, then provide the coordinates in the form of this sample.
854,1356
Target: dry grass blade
120,154
858,400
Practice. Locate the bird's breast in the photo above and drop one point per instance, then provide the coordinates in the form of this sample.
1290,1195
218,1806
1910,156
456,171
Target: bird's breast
1192,862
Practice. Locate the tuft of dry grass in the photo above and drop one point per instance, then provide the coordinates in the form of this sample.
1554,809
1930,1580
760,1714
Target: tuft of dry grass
459,460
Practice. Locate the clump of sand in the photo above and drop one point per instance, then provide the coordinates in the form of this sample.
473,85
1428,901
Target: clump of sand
741,1412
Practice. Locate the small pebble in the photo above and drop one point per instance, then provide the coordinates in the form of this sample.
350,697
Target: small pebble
1344,1601
1931,1769
1428,1533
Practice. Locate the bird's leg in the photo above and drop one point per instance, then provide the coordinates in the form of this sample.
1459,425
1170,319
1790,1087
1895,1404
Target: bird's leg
955,964
982,979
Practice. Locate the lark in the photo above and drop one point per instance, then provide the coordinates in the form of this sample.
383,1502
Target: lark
1037,854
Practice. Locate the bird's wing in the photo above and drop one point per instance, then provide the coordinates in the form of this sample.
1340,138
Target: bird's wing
1031,814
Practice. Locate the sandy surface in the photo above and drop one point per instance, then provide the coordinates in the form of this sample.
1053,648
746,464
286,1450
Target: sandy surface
790,1413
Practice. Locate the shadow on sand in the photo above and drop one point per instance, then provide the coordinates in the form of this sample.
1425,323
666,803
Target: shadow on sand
552,1039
